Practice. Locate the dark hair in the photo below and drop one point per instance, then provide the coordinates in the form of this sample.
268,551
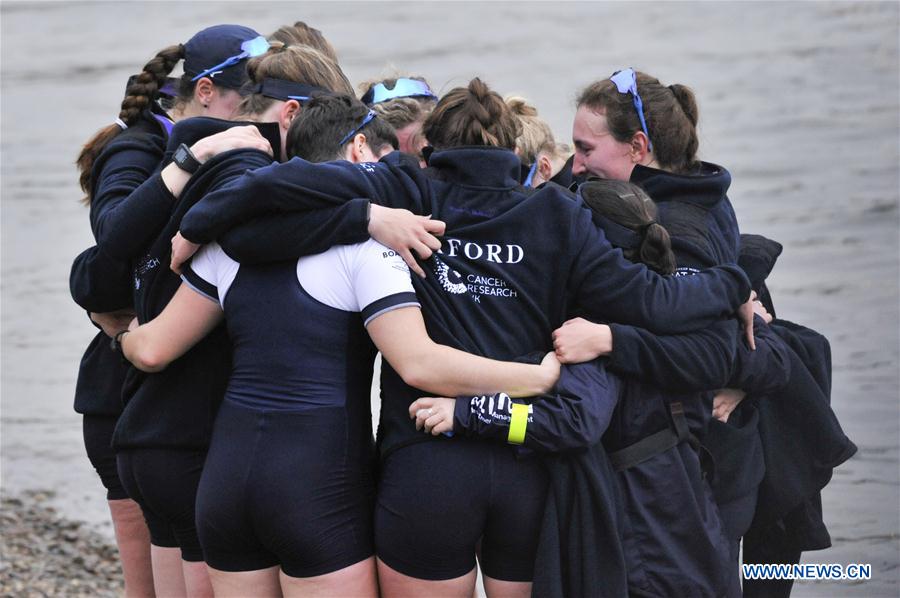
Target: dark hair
301,64
302,34
141,92
627,205
670,112
472,115
316,132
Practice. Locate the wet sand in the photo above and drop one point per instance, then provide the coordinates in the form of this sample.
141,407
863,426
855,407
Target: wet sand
798,100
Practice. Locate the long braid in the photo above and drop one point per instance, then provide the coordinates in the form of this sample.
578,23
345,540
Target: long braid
139,95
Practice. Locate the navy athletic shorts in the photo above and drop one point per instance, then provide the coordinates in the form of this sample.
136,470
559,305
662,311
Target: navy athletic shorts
437,499
289,488
164,483
98,431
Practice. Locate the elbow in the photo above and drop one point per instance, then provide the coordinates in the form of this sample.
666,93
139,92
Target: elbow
414,372
414,375
149,359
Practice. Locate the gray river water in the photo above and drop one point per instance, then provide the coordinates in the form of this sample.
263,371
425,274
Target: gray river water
799,100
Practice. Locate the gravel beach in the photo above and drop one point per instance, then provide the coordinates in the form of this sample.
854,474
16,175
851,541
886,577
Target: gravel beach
44,554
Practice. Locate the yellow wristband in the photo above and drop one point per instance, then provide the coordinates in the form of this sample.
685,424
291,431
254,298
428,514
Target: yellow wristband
518,421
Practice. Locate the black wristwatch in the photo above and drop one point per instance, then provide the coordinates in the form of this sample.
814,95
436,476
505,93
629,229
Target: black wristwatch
185,160
116,343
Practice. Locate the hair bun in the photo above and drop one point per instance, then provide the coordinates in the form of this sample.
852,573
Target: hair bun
687,101
520,106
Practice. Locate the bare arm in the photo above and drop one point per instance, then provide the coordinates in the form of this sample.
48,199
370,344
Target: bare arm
401,337
187,318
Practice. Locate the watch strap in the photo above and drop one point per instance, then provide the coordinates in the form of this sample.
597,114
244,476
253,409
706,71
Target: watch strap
185,159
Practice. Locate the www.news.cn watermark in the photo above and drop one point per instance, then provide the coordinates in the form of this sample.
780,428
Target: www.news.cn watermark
833,571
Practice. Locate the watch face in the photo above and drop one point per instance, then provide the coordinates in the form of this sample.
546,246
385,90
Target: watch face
184,159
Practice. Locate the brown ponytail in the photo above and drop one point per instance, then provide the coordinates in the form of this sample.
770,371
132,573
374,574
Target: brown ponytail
688,103
656,249
629,206
472,115
139,95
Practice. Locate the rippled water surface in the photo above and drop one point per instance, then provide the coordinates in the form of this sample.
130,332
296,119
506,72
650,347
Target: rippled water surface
798,100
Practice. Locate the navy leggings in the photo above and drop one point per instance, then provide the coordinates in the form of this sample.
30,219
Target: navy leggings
98,431
287,487
438,499
164,483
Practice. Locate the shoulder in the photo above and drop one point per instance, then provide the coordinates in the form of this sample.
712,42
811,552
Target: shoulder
556,203
367,253
130,149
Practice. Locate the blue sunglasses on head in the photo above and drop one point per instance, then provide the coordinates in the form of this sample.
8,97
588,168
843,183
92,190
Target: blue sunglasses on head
403,88
249,49
372,114
626,82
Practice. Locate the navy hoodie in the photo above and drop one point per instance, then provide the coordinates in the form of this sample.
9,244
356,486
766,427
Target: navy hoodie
98,282
696,211
511,267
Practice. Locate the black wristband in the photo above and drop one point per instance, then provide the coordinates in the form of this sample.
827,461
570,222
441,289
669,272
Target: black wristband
116,343
185,160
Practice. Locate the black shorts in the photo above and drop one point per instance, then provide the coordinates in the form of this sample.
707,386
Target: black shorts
164,483
436,500
289,488
98,431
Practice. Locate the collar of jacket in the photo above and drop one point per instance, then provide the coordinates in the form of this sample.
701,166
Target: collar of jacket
191,130
478,166
706,186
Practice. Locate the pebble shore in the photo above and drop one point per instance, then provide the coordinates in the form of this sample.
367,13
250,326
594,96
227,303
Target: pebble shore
43,554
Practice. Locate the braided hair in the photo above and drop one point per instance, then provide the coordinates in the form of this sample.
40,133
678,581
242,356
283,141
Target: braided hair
141,92
472,115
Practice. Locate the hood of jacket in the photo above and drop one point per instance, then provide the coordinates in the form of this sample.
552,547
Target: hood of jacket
476,166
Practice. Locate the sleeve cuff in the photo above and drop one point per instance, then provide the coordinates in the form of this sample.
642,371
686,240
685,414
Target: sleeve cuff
360,209
389,303
461,414
625,356
193,280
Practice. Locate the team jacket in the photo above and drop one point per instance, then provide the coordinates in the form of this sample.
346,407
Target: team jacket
501,284
99,282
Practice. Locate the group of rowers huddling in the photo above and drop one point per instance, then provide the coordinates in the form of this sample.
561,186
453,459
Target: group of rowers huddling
583,389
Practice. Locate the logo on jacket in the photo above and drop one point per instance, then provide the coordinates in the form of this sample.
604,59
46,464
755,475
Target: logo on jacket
495,409
451,280
685,271
146,264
